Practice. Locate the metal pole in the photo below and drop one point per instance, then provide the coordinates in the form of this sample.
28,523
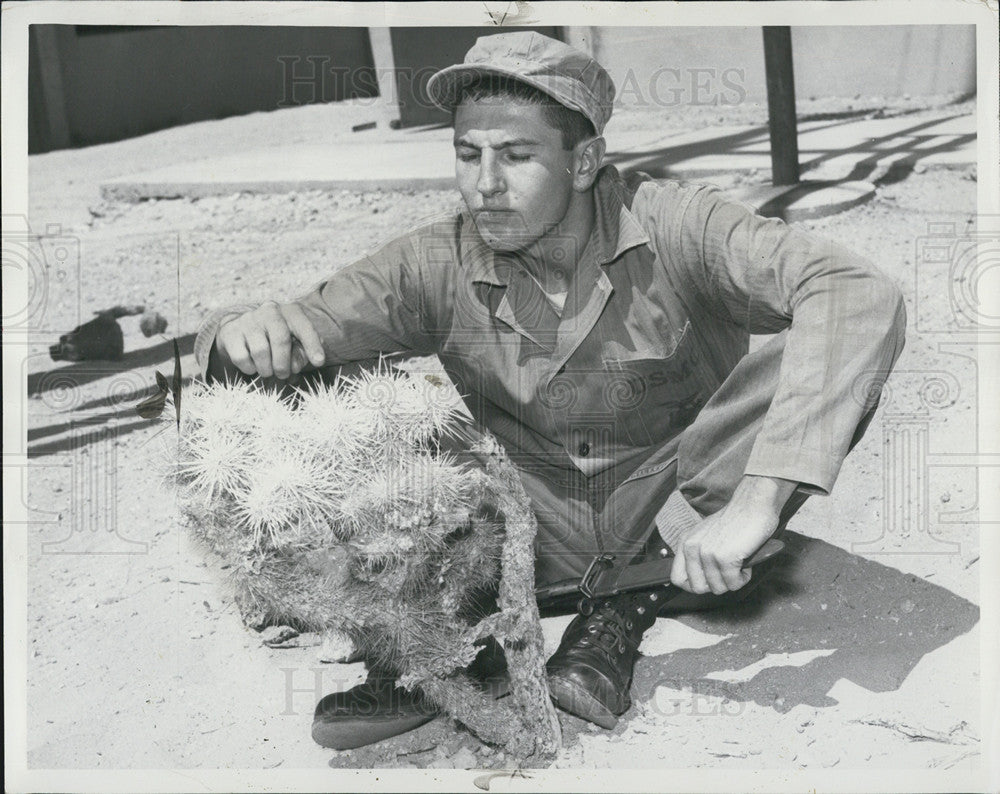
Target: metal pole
781,105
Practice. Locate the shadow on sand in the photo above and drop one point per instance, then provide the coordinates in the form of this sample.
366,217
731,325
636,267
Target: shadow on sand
877,621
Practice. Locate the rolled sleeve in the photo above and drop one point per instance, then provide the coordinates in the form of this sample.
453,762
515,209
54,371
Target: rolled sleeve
209,366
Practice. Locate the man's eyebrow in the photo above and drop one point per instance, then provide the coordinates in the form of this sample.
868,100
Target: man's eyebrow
504,145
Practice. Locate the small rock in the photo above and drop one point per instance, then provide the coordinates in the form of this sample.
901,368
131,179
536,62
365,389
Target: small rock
308,640
464,759
255,620
274,635
152,323
919,168
946,497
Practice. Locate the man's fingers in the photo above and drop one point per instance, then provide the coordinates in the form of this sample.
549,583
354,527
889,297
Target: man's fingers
678,573
693,566
279,338
303,330
714,574
260,352
236,349
299,360
733,576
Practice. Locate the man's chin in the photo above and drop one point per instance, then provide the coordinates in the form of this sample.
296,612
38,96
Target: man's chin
507,243
504,246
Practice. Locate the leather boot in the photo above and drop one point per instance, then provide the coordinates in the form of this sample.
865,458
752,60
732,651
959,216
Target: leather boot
379,709
591,672
369,713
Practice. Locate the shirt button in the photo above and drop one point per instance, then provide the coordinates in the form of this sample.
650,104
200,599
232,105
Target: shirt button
584,449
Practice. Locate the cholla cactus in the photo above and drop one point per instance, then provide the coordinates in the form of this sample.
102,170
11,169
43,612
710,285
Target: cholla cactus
337,510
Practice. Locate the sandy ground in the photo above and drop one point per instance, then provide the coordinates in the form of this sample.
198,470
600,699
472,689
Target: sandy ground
136,654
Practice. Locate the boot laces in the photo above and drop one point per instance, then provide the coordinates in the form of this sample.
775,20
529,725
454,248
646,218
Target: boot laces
607,629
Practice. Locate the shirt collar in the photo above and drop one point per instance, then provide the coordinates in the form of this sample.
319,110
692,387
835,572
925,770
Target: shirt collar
616,230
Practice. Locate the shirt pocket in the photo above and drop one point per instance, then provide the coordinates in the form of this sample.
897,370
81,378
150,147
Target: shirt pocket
662,380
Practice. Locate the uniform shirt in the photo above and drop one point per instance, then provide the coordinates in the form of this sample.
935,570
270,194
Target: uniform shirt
660,307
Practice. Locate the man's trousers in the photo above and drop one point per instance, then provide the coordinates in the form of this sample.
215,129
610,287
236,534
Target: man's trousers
691,476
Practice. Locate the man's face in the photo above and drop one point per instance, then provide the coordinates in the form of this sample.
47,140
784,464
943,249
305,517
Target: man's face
513,172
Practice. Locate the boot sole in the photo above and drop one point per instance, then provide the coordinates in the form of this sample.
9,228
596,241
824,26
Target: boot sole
571,697
349,734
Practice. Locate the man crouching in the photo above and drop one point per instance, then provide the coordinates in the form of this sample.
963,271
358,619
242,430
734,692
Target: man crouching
599,327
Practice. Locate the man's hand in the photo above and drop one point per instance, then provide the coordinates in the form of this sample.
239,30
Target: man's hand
711,558
274,339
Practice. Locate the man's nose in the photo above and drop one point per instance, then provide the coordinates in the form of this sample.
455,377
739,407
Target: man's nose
490,181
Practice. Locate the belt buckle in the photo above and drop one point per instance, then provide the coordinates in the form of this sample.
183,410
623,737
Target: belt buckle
600,563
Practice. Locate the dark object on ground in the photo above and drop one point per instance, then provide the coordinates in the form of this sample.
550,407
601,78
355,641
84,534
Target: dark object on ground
99,339
275,635
96,340
368,125
152,323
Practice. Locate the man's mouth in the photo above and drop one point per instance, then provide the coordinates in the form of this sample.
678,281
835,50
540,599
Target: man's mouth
504,217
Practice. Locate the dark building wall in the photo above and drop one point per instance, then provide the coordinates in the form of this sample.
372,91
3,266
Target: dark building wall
91,85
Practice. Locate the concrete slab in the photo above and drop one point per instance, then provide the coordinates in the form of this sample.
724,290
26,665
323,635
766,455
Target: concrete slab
394,165
423,159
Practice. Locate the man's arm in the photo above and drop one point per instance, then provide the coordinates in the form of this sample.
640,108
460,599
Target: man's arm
376,306
845,322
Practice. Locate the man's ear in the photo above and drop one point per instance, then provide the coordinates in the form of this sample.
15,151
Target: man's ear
588,157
